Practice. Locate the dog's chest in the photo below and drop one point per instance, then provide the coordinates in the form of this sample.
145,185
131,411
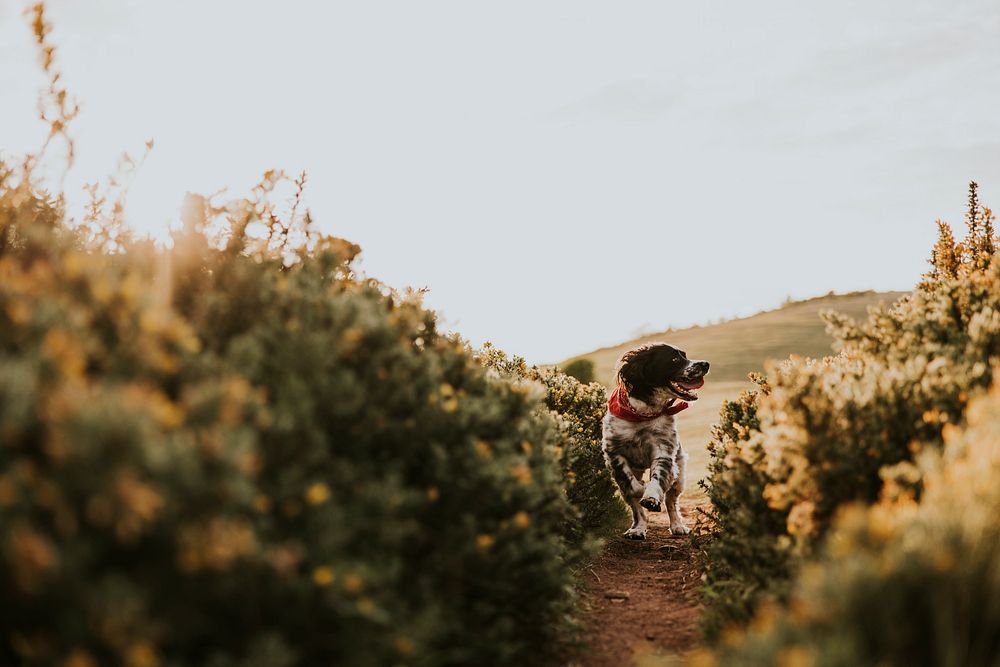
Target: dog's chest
640,442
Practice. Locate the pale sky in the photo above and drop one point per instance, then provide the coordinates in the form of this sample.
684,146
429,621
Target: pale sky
558,174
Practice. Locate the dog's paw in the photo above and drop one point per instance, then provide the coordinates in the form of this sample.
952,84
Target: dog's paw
651,503
635,534
679,529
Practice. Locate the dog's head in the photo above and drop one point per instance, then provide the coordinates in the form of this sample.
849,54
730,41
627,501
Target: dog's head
656,373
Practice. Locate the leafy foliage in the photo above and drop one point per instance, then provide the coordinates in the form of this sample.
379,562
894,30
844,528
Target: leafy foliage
833,431
901,582
211,441
240,446
239,452
579,409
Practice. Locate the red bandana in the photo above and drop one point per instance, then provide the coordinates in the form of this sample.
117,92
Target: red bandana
619,406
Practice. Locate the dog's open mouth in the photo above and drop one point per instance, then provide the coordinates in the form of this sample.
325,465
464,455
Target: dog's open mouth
687,390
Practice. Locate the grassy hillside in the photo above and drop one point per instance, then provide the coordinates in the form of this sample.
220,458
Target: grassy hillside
736,348
740,346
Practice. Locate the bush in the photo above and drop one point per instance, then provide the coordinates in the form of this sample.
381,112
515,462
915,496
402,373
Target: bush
736,491
579,409
237,452
581,369
242,440
829,432
901,583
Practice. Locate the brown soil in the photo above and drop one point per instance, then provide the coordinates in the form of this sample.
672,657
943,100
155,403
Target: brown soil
641,597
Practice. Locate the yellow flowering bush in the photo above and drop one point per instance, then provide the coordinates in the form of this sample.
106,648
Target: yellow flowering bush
833,431
236,452
901,582
579,409
120,468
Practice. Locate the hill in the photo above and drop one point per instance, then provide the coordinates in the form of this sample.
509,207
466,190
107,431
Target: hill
740,346
736,348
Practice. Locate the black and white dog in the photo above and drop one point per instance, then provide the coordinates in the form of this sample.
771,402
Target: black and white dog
654,381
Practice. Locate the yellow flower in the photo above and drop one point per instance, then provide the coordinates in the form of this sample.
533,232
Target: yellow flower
167,413
19,312
142,654
322,576
353,584
262,504
483,449
522,474
700,658
102,290
522,520
404,647
73,264
796,656
59,346
79,658
317,494
129,289
484,542
433,493
150,321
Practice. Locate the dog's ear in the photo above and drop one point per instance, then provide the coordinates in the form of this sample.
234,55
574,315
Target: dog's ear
633,373
629,373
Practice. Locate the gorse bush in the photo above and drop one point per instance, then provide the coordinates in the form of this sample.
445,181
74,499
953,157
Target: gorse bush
239,452
308,462
901,583
579,409
831,431
581,369
738,480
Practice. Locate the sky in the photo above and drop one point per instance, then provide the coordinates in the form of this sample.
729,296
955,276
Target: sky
558,175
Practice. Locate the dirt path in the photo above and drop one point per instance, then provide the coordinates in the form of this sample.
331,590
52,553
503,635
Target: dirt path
642,598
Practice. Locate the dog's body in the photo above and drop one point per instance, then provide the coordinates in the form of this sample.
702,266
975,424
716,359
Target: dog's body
639,432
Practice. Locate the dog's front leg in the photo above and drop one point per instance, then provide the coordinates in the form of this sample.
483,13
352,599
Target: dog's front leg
631,488
662,474
620,470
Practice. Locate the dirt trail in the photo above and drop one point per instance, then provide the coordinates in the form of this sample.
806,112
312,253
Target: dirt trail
642,597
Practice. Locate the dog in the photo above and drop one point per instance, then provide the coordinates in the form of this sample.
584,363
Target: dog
655,382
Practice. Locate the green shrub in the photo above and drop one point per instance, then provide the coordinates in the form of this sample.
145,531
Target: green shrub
579,409
120,470
736,491
237,452
581,369
445,494
901,583
829,431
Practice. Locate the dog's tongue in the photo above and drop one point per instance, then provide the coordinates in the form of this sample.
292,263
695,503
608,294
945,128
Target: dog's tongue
693,385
